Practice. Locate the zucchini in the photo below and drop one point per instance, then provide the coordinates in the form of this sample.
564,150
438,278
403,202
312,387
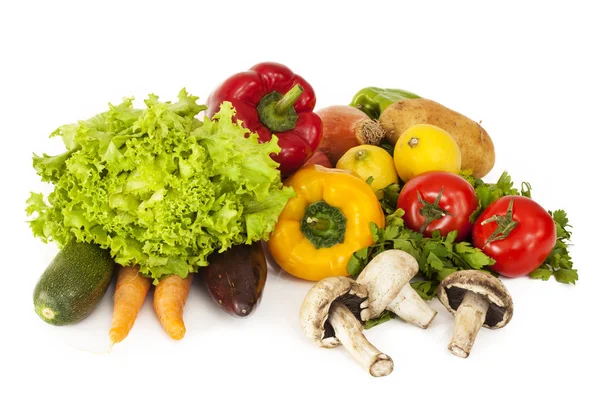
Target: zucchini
73,284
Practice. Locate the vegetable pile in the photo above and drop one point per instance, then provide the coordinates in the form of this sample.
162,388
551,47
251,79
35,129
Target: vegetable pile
162,191
381,202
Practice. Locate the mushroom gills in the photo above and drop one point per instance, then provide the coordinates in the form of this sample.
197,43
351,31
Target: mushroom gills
348,330
495,313
409,306
356,305
469,318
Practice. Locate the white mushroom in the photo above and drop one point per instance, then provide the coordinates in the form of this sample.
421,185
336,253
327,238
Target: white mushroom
333,312
476,299
387,278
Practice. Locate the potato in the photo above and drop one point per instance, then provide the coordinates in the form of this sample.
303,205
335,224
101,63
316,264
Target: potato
476,147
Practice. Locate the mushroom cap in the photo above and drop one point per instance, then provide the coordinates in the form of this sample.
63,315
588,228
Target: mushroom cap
385,276
314,311
452,289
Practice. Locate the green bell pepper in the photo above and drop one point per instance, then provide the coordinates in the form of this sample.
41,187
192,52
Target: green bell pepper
373,100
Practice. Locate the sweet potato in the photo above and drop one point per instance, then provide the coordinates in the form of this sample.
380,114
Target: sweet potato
476,147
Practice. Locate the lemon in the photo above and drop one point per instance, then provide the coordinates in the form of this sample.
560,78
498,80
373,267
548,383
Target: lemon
371,163
424,147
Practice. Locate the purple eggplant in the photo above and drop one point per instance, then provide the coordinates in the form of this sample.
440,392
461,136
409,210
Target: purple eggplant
235,279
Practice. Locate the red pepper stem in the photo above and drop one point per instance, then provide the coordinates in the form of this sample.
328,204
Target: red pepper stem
289,99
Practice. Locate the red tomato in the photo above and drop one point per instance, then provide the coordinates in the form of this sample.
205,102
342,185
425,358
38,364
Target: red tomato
530,235
438,200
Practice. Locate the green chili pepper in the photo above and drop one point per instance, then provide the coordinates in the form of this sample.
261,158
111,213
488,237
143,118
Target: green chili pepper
373,100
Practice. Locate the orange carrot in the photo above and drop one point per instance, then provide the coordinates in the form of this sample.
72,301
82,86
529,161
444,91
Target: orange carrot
170,296
130,293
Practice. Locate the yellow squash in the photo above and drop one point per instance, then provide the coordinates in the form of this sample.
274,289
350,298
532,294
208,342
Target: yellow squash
327,221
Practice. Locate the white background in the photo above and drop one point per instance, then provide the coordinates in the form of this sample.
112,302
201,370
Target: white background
528,71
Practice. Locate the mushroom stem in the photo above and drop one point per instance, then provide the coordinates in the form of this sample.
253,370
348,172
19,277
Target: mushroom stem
469,318
409,306
348,330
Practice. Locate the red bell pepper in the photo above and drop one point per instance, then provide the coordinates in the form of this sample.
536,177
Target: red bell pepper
271,100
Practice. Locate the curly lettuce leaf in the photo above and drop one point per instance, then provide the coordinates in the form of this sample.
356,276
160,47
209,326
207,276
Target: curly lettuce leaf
158,187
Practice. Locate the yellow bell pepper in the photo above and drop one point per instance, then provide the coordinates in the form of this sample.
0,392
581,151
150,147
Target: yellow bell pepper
327,221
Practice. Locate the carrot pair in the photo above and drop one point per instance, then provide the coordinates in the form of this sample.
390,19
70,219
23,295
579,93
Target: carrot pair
170,295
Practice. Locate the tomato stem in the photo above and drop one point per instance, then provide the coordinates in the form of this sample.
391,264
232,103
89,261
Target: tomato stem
506,224
431,211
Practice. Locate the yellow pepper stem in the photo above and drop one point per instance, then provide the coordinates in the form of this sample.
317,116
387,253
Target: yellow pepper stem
318,224
323,225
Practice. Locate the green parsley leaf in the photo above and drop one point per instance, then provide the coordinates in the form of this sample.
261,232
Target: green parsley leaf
376,232
487,193
395,219
566,275
426,289
541,273
473,257
467,174
391,232
388,197
384,317
358,261
562,223
558,263
526,189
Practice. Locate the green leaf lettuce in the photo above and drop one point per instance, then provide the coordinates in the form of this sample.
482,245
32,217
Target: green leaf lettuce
159,187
